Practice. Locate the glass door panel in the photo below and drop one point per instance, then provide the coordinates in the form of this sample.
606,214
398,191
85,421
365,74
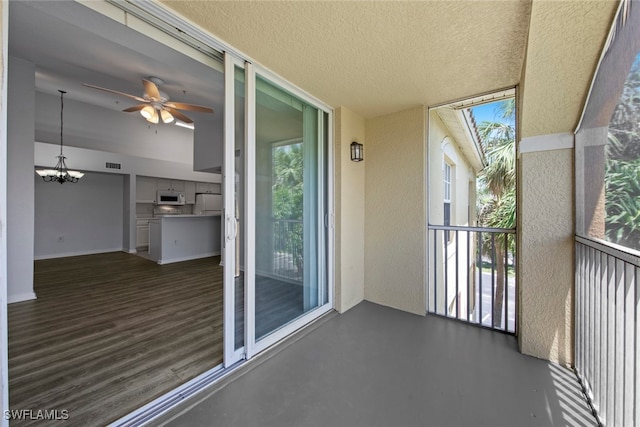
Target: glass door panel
239,208
289,208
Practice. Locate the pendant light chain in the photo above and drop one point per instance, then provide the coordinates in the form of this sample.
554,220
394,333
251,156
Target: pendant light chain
60,173
62,92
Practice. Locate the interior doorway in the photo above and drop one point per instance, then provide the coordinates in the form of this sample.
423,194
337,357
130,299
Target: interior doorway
259,120
108,326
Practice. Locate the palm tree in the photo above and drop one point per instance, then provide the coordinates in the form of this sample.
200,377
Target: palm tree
498,180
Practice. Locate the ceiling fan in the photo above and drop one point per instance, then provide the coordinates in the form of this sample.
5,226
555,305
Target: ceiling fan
156,105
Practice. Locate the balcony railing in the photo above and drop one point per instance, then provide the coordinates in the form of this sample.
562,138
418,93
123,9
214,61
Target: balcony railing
606,328
472,275
288,258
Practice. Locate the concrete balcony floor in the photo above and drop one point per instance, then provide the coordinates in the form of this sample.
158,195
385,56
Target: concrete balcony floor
376,366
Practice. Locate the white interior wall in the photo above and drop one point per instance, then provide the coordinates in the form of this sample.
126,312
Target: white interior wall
207,144
81,218
20,187
94,160
165,151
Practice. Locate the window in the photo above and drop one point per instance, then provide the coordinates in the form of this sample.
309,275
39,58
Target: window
446,177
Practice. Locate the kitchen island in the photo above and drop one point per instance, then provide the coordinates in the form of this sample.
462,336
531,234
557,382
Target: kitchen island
175,238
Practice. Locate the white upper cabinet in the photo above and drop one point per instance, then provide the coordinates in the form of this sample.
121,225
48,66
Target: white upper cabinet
208,187
190,192
170,185
146,189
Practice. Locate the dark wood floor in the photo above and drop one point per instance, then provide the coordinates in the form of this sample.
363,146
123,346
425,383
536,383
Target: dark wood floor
111,332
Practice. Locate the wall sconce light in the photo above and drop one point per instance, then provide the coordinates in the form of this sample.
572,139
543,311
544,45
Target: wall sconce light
356,152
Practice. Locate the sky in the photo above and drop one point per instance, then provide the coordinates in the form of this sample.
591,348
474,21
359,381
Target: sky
487,112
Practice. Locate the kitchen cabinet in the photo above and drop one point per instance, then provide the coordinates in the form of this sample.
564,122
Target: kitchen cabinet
146,189
190,192
170,185
176,238
142,234
208,187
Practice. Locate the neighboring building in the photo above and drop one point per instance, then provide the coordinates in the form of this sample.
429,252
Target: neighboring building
455,160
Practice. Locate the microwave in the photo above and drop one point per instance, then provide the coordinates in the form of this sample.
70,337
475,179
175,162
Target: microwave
170,198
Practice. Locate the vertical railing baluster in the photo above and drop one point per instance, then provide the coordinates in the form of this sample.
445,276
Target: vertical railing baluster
493,277
515,291
480,277
457,274
636,348
608,413
505,294
619,342
446,274
578,304
468,273
435,271
604,331
595,380
460,272
589,320
629,372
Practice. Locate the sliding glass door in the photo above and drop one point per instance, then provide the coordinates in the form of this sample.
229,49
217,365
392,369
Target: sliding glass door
276,212
290,207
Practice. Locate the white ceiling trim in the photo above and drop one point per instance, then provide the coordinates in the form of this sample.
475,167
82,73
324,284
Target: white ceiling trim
556,141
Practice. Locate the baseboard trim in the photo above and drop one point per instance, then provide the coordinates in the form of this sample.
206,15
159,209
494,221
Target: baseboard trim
187,258
78,253
28,296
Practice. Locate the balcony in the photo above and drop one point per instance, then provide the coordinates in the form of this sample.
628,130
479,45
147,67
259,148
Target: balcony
376,366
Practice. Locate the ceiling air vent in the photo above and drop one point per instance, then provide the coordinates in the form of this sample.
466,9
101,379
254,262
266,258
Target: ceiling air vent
113,165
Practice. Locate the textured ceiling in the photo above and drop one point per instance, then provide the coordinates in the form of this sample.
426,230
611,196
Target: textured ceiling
376,57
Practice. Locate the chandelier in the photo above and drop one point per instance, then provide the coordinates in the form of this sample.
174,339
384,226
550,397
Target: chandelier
60,173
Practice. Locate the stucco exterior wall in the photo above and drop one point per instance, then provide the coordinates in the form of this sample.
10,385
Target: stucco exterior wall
565,41
349,211
545,271
395,229
564,44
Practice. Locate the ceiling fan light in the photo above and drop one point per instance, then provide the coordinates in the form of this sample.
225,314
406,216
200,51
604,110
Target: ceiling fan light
154,118
148,112
166,116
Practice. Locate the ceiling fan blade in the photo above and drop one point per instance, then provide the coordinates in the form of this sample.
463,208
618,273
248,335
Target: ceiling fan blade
190,107
151,89
135,108
178,115
137,98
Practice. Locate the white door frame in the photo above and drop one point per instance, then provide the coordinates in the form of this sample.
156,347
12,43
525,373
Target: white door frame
4,338
254,347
